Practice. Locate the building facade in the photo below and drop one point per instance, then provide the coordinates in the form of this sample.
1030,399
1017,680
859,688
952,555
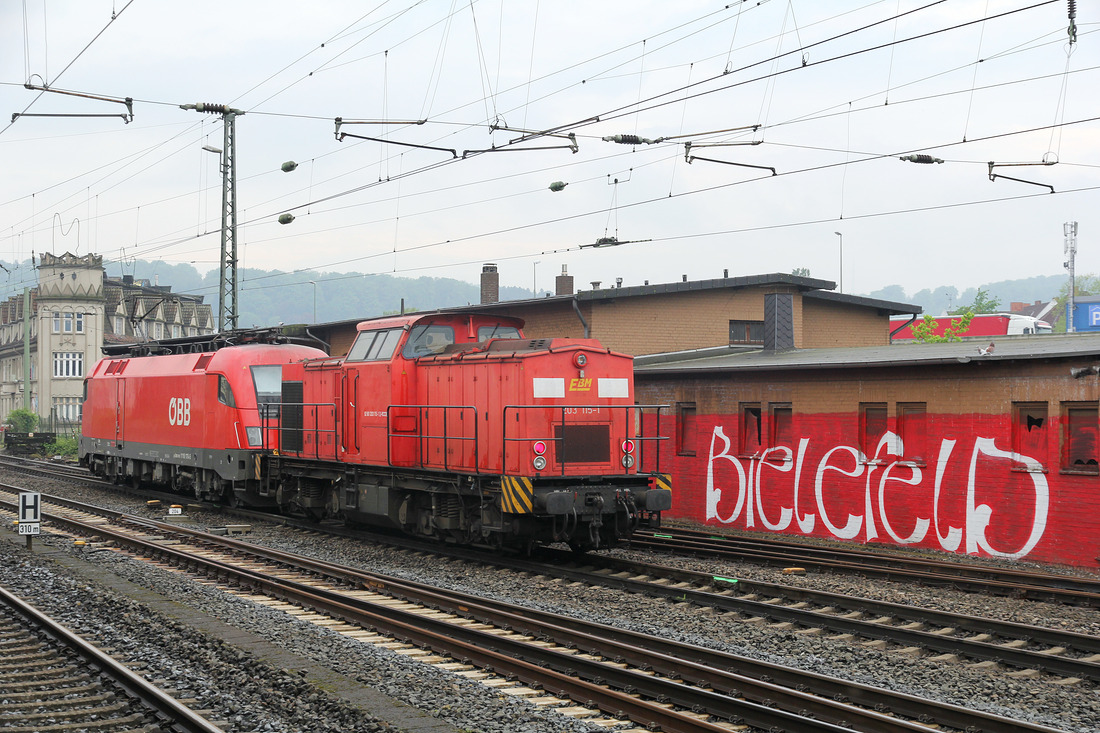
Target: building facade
937,446
52,334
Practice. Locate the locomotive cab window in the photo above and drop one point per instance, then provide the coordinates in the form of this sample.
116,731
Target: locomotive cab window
428,339
225,392
269,388
484,333
375,345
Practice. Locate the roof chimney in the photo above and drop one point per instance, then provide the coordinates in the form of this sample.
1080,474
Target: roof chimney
563,283
595,284
685,278
618,282
490,283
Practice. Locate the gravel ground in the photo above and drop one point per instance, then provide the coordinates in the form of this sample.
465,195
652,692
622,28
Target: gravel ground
471,706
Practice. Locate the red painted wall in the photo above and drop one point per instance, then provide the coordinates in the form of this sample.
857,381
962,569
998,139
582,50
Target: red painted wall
963,490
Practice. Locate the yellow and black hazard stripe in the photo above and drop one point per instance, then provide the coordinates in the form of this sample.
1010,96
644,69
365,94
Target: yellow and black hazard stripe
517,495
661,481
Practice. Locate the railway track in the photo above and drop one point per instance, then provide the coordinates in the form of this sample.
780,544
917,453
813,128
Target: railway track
550,658
53,680
939,573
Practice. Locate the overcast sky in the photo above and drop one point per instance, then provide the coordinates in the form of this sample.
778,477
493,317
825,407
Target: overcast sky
828,94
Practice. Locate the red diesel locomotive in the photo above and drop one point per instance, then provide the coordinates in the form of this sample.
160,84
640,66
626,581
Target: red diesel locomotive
446,426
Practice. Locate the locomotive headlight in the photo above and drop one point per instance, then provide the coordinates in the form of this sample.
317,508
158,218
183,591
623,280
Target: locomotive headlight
628,446
539,463
628,461
539,447
580,359
254,436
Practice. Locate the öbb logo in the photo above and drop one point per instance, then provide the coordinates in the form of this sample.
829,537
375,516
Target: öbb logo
580,385
179,411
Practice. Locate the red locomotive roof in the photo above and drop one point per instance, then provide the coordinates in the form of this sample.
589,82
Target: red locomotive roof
223,360
411,319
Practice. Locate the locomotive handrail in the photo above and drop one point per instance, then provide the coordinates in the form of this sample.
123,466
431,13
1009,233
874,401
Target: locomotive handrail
279,425
423,438
640,438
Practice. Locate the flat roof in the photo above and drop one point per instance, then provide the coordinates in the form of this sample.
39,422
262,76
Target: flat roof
811,287
909,353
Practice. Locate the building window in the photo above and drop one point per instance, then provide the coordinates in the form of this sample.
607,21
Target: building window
191,331
175,330
1029,432
68,364
872,426
1080,438
66,409
158,330
782,427
686,429
746,332
120,326
67,322
912,431
57,323
751,437
79,322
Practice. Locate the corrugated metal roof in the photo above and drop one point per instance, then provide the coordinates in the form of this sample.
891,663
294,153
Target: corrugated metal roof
1006,348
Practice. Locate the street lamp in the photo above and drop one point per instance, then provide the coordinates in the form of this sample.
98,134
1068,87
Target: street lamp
841,260
534,279
314,300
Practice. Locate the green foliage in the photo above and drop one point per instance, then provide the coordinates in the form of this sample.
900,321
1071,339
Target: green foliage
801,272
983,303
924,331
22,420
63,445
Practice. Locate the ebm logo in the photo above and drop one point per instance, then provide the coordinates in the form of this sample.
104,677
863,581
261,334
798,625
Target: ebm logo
580,385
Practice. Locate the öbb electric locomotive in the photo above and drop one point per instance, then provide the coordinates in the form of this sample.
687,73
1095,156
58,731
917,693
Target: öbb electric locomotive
447,426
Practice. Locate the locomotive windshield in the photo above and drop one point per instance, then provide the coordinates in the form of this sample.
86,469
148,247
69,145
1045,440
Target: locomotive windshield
374,345
428,339
269,387
484,333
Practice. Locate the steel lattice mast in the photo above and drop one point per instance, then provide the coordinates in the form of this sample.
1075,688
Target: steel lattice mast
227,268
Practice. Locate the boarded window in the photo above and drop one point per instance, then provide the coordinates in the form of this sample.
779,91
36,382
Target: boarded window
686,429
751,438
1080,439
746,332
912,421
872,426
1030,431
782,426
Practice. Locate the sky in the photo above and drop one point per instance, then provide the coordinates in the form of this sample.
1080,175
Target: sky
767,128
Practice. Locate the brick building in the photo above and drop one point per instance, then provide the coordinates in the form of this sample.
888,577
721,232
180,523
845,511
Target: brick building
932,445
685,315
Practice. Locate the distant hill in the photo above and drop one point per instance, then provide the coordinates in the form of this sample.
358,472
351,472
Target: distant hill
947,297
267,297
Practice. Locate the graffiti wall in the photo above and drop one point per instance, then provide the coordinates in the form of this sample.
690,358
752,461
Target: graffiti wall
969,489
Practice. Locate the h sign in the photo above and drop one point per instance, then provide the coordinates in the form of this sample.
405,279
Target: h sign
30,508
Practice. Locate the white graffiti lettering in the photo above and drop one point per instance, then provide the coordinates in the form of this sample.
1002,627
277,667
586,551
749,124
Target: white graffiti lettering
886,474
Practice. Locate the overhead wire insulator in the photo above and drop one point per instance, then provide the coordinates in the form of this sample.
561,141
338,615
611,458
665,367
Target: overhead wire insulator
288,166
921,158
630,140
1072,30
286,218
558,186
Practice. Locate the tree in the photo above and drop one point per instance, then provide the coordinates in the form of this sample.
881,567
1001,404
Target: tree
22,420
925,331
801,272
983,303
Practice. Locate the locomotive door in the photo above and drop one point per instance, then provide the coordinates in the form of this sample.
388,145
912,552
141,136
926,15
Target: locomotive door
120,411
349,434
